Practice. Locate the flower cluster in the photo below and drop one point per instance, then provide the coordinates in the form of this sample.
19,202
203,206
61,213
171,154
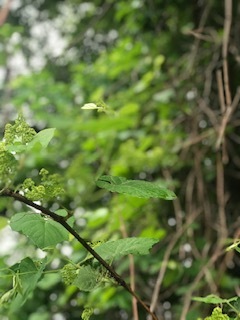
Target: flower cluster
49,187
69,273
19,132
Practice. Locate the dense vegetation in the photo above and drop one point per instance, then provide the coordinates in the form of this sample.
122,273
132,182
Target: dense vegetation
160,85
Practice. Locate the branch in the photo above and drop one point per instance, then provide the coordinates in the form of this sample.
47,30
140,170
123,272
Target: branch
131,270
166,257
226,34
187,300
61,220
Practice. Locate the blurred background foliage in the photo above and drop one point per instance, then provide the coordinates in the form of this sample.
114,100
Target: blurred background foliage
154,63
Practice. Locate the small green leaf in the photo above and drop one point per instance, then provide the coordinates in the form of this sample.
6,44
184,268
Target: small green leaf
90,106
115,249
212,298
87,279
135,188
43,232
62,212
43,137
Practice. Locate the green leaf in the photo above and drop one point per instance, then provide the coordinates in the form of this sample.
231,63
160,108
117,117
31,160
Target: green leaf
17,147
61,212
212,298
43,137
90,106
64,213
29,275
115,249
135,188
87,279
49,280
43,232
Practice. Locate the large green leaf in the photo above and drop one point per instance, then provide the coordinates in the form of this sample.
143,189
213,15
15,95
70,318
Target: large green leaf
115,249
43,232
135,188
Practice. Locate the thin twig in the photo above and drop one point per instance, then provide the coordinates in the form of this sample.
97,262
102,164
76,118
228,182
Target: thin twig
166,257
197,40
226,117
226,34
176,203
61,220
221,91
221,198
196,139
223,85
202,272
131,271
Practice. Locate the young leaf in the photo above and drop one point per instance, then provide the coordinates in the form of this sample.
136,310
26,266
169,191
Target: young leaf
41,231
89,106
115,249
135,188
29,275
43,137
212,298
87,279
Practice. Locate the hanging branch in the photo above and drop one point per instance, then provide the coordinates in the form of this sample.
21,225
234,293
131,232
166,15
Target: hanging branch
62,221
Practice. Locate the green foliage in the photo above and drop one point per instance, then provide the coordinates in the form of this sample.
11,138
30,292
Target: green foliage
16,138
27,273
214,299
46,233
217,312
42,231
155,69
88,278
141,189
43,137
111,250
